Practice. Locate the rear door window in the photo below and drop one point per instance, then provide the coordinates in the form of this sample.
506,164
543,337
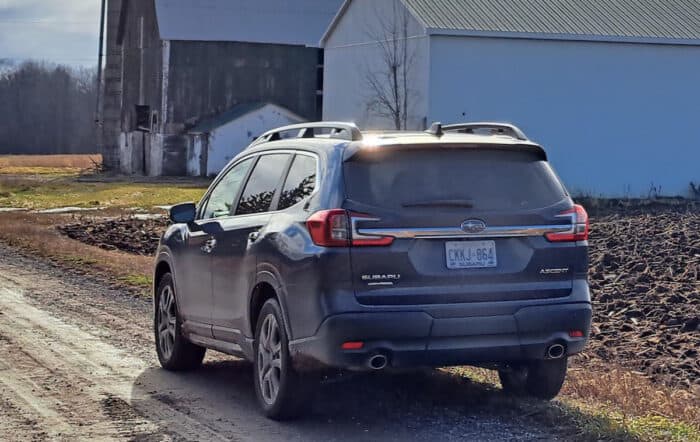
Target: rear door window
263,184
478,178
300,183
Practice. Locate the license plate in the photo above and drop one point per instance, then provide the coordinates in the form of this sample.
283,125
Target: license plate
471,254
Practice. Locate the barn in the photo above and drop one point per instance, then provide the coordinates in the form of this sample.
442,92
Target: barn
608,86
175,67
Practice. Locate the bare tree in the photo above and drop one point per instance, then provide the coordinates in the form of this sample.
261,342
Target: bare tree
47,108
389,85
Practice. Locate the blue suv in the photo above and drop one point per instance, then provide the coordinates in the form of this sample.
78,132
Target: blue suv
322,246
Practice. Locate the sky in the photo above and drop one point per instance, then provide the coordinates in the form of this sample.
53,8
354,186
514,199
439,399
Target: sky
58,31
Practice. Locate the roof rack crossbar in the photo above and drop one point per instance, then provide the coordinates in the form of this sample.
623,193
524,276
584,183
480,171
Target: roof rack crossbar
344,131
498,129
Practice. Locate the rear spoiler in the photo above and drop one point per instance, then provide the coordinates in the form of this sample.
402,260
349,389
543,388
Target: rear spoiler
354,149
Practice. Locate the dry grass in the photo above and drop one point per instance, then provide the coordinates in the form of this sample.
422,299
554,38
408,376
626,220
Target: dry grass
36,234
610,402
632,393
48,162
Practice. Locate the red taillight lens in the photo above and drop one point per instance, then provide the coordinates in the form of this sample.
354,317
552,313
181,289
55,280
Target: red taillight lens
579,229
329,228
336,228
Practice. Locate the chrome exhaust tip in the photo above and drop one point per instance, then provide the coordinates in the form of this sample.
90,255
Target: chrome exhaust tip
556,351
377,362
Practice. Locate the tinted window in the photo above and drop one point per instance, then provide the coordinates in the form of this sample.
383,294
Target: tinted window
221,198
300,183
483,179
261,188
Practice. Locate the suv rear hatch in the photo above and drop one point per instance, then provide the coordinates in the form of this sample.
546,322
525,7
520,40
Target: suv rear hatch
469,224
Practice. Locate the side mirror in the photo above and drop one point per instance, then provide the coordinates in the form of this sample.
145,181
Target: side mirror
183,213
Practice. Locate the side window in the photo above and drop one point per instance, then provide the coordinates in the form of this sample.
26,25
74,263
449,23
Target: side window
301,181
262,185
221,198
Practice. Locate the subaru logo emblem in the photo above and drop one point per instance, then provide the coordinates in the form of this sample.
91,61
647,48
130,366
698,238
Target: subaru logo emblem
473,226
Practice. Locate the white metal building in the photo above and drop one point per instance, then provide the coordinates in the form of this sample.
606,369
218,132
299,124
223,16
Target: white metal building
217,140
609,87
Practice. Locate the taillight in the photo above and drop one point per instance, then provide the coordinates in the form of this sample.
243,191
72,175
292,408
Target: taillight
579,229
338,228
329,228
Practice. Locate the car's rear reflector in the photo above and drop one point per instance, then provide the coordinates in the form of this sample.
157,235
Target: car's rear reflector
352,345
576,333
579,226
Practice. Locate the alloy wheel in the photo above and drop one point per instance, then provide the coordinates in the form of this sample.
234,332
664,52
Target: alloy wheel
167,321
269,359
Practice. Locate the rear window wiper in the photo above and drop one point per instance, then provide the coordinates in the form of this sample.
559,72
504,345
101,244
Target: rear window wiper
441,203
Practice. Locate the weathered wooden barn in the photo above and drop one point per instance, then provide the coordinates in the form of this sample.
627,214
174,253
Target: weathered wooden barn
173,65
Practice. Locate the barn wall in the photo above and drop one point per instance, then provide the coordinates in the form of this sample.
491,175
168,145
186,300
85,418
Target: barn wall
616,119
142,64
207,78
352,53
141,53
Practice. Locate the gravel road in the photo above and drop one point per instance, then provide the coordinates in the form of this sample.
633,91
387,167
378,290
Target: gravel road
78,364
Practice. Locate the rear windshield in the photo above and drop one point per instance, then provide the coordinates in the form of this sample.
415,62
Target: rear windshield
482,179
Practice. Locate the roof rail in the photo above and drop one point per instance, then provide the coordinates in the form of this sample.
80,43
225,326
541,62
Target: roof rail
496,128
343,131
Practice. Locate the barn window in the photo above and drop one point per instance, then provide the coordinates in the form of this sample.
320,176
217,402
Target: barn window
143,118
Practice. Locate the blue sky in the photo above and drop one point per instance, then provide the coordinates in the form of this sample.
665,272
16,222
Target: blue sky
60,31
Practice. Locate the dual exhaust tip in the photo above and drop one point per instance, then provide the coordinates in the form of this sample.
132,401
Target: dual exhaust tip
556,351
380,361
377,362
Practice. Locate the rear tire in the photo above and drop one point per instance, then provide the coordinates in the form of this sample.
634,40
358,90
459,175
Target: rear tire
175,352
281,392
541,379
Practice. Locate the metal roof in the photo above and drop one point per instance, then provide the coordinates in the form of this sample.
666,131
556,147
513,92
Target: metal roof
647,20
294,22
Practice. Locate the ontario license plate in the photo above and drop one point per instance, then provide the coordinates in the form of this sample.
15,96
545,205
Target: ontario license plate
471,254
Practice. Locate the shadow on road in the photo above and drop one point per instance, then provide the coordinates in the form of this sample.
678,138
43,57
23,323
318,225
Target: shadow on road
425,405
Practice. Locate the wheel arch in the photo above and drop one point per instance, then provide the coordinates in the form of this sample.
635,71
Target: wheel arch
162,267
266,287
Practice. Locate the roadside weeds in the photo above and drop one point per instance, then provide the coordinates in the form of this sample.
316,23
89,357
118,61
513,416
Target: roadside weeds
36,235
606,402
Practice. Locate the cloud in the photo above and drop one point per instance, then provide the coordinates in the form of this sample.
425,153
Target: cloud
59,31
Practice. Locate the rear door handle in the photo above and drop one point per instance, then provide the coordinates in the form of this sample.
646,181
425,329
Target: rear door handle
209,245
253,236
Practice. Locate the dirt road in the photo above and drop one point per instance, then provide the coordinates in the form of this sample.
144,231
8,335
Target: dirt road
77,364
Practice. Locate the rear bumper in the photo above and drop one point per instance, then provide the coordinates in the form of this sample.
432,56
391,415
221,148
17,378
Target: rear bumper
417,339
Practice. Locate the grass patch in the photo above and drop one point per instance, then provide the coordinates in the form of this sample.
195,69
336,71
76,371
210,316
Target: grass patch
144,281
609,404
63,192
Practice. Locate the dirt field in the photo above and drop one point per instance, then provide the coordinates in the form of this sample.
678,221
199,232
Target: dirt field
48,164
70,161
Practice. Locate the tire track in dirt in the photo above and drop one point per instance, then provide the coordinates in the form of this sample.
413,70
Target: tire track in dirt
79,386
